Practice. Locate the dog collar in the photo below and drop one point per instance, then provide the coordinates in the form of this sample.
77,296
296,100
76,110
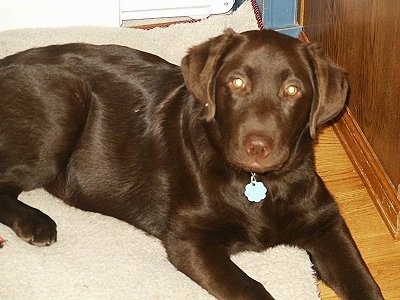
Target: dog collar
255,191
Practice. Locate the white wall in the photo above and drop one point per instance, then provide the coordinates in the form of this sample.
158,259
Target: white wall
58,13
15,14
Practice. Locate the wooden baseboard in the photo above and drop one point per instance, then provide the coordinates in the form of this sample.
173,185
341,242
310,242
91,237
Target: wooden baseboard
375,179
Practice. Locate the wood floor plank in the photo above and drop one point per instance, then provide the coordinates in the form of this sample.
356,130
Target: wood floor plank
380,251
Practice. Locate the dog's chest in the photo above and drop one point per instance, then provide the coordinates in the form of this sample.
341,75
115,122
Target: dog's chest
249,230
245,225
226,217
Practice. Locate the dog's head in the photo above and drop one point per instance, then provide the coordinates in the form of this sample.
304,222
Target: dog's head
263,89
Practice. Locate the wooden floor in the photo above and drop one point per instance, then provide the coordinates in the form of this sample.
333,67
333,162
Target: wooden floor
380,251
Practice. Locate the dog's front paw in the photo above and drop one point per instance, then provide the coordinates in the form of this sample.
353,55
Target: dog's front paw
36,228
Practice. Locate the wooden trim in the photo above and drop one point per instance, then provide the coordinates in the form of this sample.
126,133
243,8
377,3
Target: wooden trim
304,38
371,172
162,24
300,12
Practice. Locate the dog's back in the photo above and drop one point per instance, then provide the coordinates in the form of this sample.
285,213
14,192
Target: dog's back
91,110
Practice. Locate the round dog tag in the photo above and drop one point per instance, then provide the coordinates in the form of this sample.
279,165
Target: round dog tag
255,191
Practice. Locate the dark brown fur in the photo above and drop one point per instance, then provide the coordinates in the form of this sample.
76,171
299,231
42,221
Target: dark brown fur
170,150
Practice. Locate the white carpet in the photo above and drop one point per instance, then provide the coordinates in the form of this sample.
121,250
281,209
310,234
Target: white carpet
98,257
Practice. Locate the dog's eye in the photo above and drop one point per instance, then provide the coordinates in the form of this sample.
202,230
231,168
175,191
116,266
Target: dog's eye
291,90
238,83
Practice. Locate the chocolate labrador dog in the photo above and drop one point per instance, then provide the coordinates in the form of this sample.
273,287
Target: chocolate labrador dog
213,157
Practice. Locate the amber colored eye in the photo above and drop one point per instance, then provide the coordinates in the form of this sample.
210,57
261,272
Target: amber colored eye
291,90
238,83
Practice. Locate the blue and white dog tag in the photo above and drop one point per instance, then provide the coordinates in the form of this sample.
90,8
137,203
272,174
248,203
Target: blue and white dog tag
255,191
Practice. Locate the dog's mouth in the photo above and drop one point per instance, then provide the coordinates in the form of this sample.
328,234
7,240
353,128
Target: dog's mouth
254,165
257,153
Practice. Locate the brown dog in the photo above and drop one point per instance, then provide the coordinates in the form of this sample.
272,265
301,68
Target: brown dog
172,150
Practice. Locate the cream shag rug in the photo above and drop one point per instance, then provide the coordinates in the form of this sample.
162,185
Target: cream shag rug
98,257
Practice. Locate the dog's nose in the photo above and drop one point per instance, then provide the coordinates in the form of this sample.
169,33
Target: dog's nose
257,145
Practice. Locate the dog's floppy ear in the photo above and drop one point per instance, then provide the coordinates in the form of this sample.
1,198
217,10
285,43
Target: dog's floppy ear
330,89
200,67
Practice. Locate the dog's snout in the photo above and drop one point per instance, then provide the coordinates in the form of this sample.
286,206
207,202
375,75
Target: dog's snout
257,145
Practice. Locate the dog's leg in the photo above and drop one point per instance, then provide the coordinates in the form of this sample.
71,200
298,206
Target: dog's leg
211,267
29,224
340,265
41,120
